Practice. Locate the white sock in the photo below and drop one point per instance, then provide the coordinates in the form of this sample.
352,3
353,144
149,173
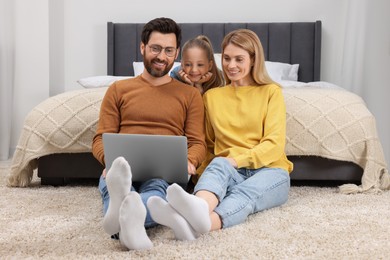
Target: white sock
118,180
195,210
164,214
132,223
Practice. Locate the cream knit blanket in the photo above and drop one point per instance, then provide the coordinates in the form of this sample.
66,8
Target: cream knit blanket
326,122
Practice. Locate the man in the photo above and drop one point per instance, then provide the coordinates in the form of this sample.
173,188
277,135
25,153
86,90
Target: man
151,103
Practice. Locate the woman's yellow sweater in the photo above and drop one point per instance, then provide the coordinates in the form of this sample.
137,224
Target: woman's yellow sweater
248,124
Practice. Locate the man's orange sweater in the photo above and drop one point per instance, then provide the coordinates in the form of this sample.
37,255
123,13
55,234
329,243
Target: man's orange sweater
137,107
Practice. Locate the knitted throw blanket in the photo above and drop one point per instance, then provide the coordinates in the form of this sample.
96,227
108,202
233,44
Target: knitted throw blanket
327,122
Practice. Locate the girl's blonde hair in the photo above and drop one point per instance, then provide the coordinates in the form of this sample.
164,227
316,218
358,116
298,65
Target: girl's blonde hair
249,41
204,43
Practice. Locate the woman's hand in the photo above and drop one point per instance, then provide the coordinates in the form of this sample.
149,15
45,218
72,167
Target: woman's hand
232,162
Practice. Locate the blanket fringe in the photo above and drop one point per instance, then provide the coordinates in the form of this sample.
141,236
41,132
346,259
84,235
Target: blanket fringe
383,185
354,189
22,178
385,181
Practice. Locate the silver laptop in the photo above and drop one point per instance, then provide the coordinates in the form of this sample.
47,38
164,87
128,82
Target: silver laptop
149,156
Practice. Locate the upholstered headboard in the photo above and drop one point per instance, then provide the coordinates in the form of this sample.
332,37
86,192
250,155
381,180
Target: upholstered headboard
294,43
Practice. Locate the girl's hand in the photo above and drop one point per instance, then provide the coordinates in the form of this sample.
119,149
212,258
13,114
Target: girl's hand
184,77
199,84
206,77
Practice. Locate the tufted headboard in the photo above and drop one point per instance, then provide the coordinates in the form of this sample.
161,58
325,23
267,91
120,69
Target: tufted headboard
294,43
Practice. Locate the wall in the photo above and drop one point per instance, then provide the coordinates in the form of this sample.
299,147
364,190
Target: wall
31,72
71,40
377,68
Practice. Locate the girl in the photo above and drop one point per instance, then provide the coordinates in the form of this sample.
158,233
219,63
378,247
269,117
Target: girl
246,134
198,67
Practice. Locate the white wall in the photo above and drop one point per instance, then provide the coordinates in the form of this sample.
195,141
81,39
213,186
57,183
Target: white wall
31,73
71,41
377,68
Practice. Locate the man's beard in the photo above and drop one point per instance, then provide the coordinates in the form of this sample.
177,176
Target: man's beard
154,72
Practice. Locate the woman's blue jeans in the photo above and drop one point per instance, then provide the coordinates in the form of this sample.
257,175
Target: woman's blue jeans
153,187
242,192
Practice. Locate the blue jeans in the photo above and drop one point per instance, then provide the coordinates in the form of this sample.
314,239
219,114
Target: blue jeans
242,192
153,187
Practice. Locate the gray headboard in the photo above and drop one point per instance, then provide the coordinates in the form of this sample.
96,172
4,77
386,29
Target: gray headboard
294,43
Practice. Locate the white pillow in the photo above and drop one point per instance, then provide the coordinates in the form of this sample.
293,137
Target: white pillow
314,84
100,81
138,67
282,71
218,60
277,70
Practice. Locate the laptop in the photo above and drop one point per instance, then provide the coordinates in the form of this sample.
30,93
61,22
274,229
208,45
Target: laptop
149,156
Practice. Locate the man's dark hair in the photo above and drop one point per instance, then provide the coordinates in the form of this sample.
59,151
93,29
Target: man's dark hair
162,25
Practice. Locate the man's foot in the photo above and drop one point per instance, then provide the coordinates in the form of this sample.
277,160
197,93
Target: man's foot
118,181
132,220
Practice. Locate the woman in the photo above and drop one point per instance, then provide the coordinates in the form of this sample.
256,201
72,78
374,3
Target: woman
245,134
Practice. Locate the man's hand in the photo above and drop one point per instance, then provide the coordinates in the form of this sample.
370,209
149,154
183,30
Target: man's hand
191,169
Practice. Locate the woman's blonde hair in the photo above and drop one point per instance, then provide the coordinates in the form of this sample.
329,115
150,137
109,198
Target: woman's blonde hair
249,41
204,43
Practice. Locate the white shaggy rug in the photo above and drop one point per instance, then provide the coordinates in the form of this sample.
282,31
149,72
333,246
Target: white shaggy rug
316,223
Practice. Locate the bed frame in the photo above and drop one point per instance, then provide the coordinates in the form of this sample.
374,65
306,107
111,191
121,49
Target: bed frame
294,43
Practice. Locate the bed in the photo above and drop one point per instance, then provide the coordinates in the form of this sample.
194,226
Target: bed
331,135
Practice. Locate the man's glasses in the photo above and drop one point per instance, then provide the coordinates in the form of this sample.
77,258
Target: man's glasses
156,49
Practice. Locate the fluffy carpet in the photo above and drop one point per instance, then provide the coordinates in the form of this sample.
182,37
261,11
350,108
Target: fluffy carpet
316,223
